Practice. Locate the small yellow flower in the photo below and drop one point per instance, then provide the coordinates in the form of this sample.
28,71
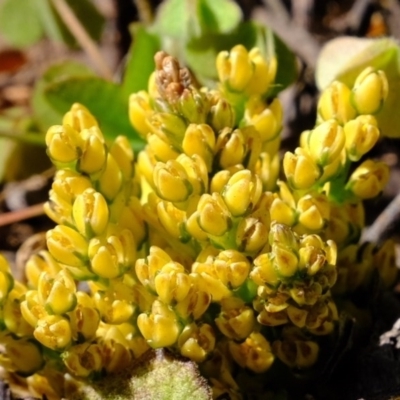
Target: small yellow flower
300,169
57,294
254,353
93,157
111,258
370,91
235,68
54,332
67,246
139,112
90,213
325,142
236,320
79,118
242,192
196,342
110,181
334,103
122,152
161,327
222,115
369,179
83,360
25,356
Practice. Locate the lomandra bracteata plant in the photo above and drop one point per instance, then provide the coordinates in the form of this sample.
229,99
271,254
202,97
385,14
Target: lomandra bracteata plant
207,242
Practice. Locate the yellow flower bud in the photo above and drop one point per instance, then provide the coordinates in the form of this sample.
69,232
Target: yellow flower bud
369,179
6,279
172,219
266,118
325,142
235,68
147,269
93,157
213,215
264,271
57,294
370,91
334,103
122,152
110,181
113,309
282,212
196,342
200,139
263,74
300,169
116,357
254,353
139,112
63,144
222,115
67,246
362,134
296,353
83,360
236,320
79,118
25,356
69,184
54,332
252,234
161,148
31,308
314,210
111,258
90,213
196,171
172,283
169,127
242,192
13,317
161,328
195,304
84,322
385,262
171,181
267,169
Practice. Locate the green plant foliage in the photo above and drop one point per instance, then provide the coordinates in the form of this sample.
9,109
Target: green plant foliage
44,111
39,18
344,58
105,99
157,375
140,60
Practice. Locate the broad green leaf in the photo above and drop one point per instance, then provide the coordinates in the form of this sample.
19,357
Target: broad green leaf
140,61
105,100
221,16
344,58
20,23
56,29
44,112
172,18
156,375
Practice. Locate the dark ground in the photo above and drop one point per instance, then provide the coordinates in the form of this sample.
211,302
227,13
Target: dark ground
369,371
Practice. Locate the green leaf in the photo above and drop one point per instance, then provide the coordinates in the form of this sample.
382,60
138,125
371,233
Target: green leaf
344,58
221,16
20,23
105,100
140,61
56,29
156,375
172,18
45,113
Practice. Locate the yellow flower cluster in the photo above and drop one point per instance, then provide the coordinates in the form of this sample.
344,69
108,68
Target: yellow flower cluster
196,245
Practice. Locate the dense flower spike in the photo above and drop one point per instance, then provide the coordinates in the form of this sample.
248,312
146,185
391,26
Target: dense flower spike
196,245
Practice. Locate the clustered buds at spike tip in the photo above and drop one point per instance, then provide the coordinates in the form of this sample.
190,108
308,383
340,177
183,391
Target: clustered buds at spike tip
195,245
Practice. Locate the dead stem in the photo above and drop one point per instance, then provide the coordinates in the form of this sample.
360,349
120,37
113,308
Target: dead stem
145,11
21,215
80,34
